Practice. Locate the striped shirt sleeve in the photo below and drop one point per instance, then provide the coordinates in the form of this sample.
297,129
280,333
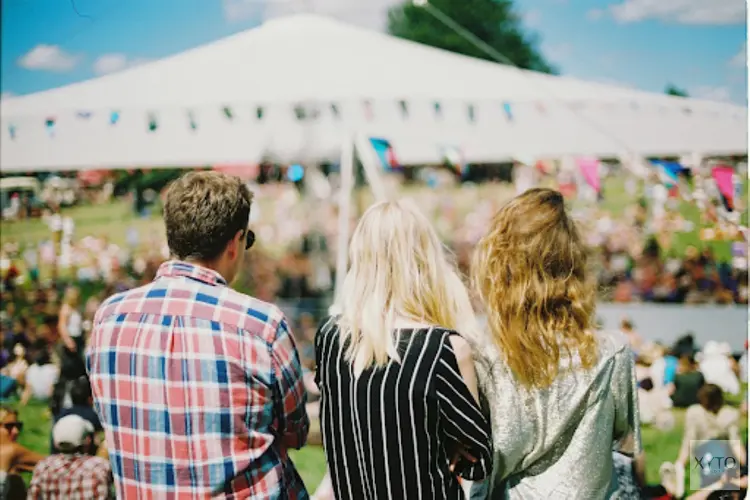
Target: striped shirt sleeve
289,381
461,419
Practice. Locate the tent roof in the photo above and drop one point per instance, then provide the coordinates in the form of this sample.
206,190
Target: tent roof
311,59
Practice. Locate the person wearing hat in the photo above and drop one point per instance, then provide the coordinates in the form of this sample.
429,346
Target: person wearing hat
72,474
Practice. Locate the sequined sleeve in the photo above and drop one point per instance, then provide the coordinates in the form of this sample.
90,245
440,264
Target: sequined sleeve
625,390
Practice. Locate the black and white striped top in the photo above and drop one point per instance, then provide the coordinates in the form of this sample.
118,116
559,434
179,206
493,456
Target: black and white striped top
391,432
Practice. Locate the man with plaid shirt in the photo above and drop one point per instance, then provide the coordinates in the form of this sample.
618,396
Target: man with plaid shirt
199,387
72,474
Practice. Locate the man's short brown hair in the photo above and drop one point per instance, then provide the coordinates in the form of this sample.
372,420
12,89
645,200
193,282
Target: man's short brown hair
711,397
203,211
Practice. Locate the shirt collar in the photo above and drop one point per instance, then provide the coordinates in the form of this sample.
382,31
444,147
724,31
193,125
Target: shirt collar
177,269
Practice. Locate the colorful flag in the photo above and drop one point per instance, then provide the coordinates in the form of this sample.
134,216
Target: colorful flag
590,170
669,172
50,124
724,177
453,156
114,117
508,111
385,153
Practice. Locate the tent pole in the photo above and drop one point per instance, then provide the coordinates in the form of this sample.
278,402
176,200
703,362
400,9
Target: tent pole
345,208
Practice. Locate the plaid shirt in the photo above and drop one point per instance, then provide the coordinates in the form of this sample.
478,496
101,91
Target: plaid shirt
71,477
199,389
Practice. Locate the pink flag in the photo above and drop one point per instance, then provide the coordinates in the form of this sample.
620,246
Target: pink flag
722,174
590,170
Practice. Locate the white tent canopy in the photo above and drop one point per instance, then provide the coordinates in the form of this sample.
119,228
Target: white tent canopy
318,81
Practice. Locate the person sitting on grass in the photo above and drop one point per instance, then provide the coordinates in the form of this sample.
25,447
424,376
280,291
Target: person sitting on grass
83,406
705,424
687,382
72,473
14,458
40,378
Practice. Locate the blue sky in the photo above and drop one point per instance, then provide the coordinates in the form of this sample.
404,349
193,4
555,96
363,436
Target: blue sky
698,45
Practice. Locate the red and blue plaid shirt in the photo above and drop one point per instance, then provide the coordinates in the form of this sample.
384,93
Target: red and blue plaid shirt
199,389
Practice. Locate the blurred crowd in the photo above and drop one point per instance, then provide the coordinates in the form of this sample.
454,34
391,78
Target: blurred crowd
51,289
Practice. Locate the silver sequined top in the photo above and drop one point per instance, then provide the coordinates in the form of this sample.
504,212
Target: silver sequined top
557,442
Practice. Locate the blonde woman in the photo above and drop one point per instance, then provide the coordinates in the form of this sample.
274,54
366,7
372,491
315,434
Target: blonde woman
70,328
560,394
70,322
399,412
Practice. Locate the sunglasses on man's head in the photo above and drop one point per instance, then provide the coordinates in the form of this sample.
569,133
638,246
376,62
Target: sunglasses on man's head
13,425
249,239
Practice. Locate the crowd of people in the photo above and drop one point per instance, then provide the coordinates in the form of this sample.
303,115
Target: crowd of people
51,293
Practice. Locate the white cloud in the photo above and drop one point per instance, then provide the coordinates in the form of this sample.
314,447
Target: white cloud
595,14
369,14
681,11
532,18
48,58
110,63
740,59
711,93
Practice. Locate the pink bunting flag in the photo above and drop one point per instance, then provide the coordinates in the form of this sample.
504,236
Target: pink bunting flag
723,175
590,171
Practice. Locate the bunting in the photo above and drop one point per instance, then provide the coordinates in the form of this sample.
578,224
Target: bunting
669,172
50,124
453,157
589,168
385,153
723,175
508,111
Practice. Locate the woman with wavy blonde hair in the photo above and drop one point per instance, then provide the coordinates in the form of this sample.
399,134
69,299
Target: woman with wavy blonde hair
399,412
560,393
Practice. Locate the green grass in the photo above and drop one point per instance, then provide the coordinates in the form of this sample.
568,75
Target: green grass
660,446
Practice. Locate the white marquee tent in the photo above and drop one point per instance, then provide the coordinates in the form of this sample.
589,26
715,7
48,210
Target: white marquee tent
317,82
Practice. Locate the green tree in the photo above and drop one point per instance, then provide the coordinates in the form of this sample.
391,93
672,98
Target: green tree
675,91
495,22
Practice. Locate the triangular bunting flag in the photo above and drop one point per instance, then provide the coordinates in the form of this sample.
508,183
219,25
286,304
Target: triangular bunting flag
453,157
508,110
114,117
50,124
385,153
152,123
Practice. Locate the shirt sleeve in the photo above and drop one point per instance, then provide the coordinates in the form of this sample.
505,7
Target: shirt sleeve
625,389
291,388
35,491
461,419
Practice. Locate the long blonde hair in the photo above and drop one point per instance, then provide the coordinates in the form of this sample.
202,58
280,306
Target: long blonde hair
398,268
530,271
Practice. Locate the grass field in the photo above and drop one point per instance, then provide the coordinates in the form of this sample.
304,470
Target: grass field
113,220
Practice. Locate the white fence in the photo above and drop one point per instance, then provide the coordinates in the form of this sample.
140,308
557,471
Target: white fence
667,322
